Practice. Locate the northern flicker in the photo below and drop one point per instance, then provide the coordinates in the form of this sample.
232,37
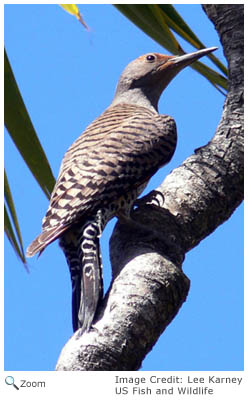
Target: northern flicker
106,169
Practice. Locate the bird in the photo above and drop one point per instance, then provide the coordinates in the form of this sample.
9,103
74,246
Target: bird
106,169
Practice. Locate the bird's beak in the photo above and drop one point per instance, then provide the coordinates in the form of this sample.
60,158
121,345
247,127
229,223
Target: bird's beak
172,65
186,59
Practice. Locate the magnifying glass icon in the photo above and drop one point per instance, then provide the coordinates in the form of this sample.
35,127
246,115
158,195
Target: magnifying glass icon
9,380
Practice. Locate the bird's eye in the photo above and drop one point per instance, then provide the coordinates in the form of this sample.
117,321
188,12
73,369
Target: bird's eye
150,57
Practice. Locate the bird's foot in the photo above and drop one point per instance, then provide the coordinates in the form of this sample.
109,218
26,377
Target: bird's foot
155,197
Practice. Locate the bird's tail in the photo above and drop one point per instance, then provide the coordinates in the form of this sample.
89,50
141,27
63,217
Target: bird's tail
82,250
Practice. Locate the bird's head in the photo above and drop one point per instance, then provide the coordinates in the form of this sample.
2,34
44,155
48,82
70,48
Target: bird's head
145,78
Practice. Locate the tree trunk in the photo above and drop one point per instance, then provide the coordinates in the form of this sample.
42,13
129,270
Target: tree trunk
149,286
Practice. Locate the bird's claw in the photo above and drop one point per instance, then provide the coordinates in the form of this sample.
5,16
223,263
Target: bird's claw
154,197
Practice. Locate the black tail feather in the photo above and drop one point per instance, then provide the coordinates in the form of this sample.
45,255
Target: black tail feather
91,285
82,250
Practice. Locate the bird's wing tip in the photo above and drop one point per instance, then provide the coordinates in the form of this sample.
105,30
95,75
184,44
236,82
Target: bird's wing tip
34,247
45,238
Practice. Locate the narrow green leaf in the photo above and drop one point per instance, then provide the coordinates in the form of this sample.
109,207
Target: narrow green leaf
219,81
141,16
175,22
12,237
11,207
21,130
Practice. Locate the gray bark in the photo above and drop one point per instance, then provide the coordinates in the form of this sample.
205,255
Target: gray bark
149,286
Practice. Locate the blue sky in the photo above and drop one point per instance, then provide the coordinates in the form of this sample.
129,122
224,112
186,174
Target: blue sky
67,78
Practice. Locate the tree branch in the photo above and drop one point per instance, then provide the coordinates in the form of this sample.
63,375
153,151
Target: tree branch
149,286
